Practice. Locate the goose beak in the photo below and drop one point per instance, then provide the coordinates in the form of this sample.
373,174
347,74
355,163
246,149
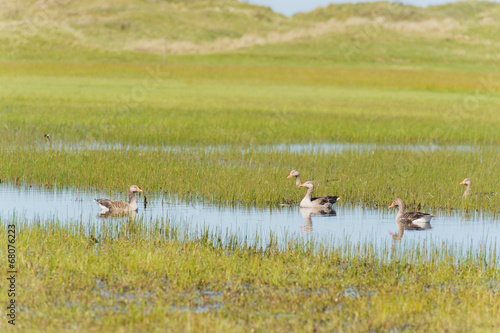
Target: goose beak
462,183
303,185
392,205
139,190
289,176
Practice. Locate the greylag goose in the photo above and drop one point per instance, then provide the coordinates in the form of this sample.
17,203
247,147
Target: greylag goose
296,174
323,202
120,206
410,220
468,187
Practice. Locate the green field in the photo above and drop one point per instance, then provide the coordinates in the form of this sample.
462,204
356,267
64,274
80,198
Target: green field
200,92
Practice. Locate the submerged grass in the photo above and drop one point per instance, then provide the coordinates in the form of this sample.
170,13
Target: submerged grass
157,276
427,179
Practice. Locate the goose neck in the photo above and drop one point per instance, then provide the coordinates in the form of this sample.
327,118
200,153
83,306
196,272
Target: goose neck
131,197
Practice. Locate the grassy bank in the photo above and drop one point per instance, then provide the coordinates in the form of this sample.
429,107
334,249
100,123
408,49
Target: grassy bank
151,277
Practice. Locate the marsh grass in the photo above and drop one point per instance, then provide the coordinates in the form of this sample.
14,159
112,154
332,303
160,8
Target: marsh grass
211,105
152,275
423,179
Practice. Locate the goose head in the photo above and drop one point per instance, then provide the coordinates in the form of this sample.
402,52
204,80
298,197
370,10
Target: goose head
134,189
309,185
293,173
466,181
397,203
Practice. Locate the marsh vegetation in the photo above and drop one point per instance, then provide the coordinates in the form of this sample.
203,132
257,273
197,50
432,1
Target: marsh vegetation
209,116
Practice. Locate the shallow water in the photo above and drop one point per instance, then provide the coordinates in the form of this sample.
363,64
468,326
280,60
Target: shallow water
351,223
338,147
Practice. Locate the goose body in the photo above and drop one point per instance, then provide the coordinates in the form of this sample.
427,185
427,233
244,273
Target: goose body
120,206
321,202
410,220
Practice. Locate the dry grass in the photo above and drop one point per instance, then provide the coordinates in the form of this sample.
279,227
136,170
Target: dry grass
441,28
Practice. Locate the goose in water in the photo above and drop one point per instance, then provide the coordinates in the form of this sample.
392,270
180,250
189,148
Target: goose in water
323,202
468,187
120,206
410,220
296,174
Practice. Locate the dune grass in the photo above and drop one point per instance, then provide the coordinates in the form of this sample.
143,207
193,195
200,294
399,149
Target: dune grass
150,276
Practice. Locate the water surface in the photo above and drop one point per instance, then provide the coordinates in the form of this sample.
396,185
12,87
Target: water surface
350,223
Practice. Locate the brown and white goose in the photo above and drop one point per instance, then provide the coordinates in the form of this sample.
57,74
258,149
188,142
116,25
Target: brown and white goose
310,202
468,188
296,174
410,220
120,206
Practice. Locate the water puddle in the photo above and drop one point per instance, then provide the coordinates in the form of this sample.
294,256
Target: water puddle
339,147
351,223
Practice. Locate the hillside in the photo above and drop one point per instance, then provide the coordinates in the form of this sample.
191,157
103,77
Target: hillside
54,29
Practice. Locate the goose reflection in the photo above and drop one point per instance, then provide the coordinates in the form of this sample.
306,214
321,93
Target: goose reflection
112,214
409,225
308,212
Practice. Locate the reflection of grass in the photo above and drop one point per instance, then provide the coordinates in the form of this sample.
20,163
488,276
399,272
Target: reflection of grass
427,179
151,277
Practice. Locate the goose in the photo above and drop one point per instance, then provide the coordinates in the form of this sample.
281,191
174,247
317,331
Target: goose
468,187
120,206
296,174
410,220
323,202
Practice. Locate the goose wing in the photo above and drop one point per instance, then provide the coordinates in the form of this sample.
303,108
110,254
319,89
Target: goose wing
112,204
409,217
324,200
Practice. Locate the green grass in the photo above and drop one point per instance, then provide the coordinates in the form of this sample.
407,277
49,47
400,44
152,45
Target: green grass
421,179
207,105
151,277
